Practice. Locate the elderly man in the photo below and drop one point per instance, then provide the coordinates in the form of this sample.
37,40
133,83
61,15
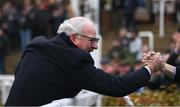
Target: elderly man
61,67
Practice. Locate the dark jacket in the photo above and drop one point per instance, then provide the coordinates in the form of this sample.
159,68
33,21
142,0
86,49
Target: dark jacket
55,69
174,58
177,75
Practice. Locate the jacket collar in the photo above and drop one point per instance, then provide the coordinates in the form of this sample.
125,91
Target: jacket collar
63,36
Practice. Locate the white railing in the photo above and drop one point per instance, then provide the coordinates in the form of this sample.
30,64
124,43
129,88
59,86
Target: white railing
5,86
84,98
150,36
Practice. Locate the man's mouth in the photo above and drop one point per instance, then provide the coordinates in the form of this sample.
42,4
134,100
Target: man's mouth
90,50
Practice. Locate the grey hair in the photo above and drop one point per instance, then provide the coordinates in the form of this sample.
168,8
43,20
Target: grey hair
71,26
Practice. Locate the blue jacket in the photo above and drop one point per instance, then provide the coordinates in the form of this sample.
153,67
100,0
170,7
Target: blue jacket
55,69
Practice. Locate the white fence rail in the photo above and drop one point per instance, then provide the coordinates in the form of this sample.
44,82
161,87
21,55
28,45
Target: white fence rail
150,36
146,34
84,98
5,86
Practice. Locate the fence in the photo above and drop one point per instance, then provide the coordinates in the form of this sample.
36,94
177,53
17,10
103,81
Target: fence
84,98
150,37
5,86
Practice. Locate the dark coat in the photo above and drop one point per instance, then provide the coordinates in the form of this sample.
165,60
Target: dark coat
177,75
55,69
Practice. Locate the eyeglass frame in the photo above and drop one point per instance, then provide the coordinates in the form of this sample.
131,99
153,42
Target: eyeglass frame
91,39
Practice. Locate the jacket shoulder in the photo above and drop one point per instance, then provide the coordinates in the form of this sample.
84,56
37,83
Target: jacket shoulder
36,45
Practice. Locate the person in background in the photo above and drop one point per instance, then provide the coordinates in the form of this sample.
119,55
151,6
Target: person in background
115,51
124,67
135,44
174,55
25,23
124,41
41,18
129,7
12,16
3,50
107,66
123,37
57,17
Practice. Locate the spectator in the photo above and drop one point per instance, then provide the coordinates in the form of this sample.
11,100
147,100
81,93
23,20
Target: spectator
177,9
129,8
136,44
107,66
124,67
124,40
68,8
12,16
174,56
58,16
3,50
25,23
115,51
41,18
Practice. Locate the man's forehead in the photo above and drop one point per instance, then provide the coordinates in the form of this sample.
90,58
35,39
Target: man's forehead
89,30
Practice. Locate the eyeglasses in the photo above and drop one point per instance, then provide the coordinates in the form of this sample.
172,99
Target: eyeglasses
91,39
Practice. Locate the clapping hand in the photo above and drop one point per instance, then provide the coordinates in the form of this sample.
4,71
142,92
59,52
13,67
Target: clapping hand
154,61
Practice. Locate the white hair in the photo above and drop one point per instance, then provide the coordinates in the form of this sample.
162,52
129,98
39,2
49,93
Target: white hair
73,25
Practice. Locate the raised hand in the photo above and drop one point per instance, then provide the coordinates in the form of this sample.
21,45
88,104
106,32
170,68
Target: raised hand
156,63
147,58
169,70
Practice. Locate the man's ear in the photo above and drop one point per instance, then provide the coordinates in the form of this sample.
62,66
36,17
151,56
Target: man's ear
74,39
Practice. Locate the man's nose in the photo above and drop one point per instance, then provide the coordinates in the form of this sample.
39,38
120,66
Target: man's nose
95,45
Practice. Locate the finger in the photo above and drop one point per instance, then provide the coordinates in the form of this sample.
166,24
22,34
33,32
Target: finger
165,58
145,55
146,62
151,53
158,53
148,53
157,56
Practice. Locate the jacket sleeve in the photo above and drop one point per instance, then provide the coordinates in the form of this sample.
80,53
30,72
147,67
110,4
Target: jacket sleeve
93,79
173,56
177,75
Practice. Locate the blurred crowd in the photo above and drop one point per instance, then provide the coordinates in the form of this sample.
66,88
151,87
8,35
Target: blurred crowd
22,21
126,52
133,12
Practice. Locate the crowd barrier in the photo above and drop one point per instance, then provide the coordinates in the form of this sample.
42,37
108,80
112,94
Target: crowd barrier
5,86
